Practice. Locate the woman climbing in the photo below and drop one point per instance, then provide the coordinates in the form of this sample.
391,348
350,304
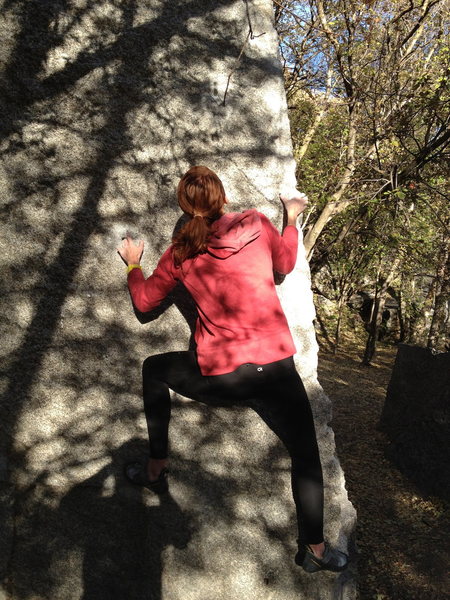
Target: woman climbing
244,349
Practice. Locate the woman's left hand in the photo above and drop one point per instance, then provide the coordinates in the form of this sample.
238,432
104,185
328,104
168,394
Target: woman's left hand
130,252
294,201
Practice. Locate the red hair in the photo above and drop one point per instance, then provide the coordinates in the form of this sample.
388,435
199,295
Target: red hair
201,196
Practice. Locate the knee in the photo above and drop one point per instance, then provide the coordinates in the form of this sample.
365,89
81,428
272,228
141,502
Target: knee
305,457
149,367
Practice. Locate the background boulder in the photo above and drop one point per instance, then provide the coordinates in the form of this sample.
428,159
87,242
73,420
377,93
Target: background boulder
416,417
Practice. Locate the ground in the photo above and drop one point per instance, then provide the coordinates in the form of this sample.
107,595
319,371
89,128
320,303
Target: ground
402,532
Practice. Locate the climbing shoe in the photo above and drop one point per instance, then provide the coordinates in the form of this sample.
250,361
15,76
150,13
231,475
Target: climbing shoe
136,474
332,560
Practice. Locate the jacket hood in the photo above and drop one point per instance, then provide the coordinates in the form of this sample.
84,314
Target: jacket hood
232,232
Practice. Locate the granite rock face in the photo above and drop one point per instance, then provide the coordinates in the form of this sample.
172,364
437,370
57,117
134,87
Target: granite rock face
104,106
416,417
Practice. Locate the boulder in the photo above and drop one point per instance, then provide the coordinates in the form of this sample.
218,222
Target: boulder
416,417
104,106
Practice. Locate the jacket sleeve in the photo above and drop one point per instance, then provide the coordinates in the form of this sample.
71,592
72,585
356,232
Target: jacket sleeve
284,247
147,294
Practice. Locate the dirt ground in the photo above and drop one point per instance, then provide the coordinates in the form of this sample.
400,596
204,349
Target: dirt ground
402,534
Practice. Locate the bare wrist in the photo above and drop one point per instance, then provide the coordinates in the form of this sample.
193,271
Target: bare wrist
292,219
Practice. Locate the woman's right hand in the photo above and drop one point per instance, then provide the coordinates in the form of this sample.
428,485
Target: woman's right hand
130,252
295,203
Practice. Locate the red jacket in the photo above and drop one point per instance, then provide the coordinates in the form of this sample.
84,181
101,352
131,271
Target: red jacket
240,319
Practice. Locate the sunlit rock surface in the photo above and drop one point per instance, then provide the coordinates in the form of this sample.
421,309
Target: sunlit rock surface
104,106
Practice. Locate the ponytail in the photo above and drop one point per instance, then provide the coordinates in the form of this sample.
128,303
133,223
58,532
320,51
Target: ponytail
191,240
200,195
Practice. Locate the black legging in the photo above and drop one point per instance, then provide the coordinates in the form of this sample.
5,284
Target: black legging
275,391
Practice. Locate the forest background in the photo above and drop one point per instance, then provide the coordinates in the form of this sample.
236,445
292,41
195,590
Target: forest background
369,103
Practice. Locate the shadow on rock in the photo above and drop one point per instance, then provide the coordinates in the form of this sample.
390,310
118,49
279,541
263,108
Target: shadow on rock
104,539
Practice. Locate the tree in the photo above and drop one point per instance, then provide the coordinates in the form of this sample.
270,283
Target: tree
368,93
441,298
387,66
